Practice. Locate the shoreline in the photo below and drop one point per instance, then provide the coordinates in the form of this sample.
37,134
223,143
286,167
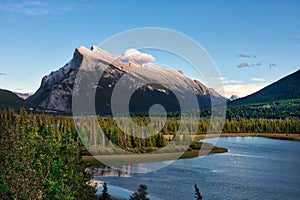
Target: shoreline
278,136
128,159
120,160
159,157
188,154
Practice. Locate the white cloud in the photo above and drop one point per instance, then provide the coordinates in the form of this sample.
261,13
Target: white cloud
241,90
219,78
225,80
231,81
34,8
257,79
2,74
136,55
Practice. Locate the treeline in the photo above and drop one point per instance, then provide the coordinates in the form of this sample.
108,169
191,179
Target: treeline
260,125
268,110
273,110
40,158
142,194
100,134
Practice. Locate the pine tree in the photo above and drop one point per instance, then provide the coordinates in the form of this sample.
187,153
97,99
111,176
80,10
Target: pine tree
197,193
35,164
141,194
105,195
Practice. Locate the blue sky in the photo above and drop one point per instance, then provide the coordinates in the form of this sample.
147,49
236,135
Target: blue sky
38,37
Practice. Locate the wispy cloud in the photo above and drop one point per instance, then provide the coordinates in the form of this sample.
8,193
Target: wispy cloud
257,79
2,74
272,65
225,80
231,81
258,64
241,90
243,64
246,64
244,55
34,8
136,55
250,60
219,78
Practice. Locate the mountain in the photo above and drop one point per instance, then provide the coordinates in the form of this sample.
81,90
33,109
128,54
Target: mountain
56,90
9,99
23,95
283,89
233,97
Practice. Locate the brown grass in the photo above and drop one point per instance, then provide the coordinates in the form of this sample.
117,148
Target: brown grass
119,160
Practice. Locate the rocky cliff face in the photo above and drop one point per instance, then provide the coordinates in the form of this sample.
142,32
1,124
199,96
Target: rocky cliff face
56,90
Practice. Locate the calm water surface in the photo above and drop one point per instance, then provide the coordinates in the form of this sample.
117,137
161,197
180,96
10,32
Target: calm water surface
254,168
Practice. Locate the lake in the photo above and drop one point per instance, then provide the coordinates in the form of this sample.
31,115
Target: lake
254,168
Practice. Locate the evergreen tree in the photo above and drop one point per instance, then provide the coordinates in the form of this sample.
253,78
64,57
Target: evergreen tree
197,193
141,194
39,160
105,195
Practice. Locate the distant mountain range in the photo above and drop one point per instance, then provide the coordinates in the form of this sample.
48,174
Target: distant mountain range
23,95
11,100
287,87
56,89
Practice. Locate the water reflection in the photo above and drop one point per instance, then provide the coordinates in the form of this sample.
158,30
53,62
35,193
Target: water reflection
126,170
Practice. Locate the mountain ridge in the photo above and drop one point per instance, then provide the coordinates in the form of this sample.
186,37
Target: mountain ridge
285,88
23,95
56,89
11,100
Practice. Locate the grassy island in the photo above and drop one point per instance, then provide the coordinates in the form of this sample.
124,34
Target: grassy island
194,150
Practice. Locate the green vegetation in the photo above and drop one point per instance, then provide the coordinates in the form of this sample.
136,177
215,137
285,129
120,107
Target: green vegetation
260,125
43,156
126,159
289,108
40,158
269,110
141,194
100,140
105,195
